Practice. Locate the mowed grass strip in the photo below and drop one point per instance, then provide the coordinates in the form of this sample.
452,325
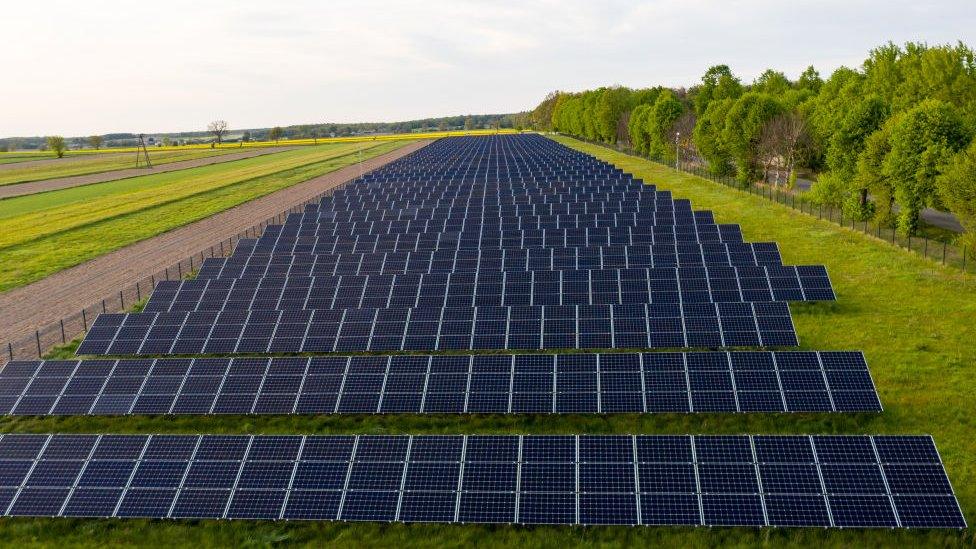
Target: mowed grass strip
85,164
29,217
89,221
912,318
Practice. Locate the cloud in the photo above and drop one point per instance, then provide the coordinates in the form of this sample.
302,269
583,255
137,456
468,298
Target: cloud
80,68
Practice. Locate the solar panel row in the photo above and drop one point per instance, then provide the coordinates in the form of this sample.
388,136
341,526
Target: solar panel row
792,381
845,481
471,289
247,263
647,326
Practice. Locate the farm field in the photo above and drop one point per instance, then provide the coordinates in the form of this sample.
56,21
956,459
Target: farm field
911,317
24,156
68,166
45,233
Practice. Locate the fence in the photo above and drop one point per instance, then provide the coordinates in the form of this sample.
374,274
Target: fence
960,257
68,328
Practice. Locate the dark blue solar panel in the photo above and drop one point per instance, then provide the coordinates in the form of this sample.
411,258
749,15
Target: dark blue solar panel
587,479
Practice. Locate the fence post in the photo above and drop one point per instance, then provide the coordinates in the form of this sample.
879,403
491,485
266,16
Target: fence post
10,349
944,246
167,273
179,267
84,320
63,338
37,338
221,248
152,281
926,252
122,300
103,306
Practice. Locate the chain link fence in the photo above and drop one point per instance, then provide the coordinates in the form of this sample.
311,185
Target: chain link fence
960,257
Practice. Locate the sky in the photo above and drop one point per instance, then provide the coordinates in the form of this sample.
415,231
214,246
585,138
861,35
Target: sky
79,68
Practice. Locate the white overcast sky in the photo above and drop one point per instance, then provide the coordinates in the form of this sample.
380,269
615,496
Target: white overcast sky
82,67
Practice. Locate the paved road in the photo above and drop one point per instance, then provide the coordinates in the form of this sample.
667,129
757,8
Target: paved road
44,302
32,187
931,216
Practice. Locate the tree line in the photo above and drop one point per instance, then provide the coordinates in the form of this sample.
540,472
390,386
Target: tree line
887,139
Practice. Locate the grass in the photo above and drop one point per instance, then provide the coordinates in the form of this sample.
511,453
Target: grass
83,164
913,319
48,232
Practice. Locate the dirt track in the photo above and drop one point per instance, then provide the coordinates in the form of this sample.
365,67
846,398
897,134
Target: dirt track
32,187
24,309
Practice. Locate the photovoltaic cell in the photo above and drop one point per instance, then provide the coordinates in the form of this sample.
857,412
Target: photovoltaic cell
835,381
529,479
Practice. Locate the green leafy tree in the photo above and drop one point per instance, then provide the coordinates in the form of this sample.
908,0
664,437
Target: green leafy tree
956,186
666,110
96,141
637,128
743,128
810,80
771,82
718,83
923,140
276,134
57,144
708,137
611,104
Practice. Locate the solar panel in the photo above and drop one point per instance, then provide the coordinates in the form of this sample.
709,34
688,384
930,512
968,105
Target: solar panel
793,381
637,326
705,480
561,287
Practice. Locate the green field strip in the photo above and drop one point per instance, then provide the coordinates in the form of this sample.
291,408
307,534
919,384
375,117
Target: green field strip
60,247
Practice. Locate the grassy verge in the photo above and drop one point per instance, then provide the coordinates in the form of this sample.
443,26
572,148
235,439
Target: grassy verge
911,317
43,234
97,163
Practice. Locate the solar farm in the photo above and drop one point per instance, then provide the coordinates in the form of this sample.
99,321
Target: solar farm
477,275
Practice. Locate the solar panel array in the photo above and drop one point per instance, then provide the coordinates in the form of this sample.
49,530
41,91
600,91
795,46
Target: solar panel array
456,289
790,381
473,244
844,481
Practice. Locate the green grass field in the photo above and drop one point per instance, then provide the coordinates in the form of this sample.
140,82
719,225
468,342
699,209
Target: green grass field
44,233
912,318
83,164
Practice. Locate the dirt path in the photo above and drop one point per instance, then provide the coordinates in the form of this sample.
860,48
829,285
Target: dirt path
32,187
24,309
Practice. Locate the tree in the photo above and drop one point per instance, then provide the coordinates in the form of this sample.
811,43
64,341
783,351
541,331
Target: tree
708,137
95,141
810,80
217,128
468,123
637,128
56,143
870,179
772,82
246,137
743,128
781,141
923,141
541,116
718,83
666,110
275,134
957,189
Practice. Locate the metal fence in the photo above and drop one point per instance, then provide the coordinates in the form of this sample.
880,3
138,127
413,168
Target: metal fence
960,257
61,332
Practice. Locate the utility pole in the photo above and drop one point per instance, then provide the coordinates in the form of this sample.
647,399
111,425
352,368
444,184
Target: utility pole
142,144
677,151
